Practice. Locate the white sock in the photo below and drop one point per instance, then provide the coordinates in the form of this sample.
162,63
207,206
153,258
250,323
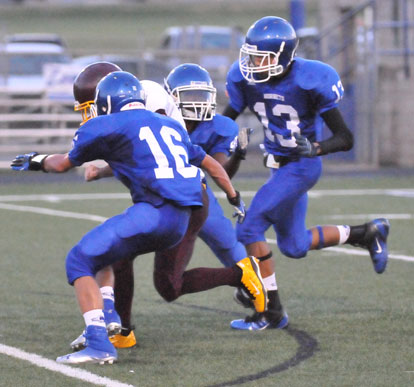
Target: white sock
344,232
270,282
94,317
107,292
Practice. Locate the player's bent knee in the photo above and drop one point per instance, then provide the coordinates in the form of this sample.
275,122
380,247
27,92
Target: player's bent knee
76,266
167,289
293,252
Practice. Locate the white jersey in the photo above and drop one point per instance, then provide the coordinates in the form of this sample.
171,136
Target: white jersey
157,98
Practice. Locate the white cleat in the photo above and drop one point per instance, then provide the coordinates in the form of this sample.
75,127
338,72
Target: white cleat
88,355
79,342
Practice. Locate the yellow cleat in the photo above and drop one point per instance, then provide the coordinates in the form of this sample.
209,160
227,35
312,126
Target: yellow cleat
252,282
121,341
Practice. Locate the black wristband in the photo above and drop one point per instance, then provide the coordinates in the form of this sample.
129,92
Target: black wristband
236,200
36,163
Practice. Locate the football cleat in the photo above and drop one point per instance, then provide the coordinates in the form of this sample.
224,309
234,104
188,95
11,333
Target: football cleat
242,298
112,321
261,321
252,282
79,342
375,241
113,327
88,355
125,339
98,348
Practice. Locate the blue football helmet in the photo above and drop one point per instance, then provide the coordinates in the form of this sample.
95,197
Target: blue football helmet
192,89
119,91
268,50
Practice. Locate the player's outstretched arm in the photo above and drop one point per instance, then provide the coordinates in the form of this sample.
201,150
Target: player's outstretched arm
219,175
92,172
57,163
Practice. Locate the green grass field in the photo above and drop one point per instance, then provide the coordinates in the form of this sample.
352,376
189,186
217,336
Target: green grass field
349,326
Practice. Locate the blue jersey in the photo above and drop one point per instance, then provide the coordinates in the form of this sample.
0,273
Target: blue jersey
290,104
216,135
148,152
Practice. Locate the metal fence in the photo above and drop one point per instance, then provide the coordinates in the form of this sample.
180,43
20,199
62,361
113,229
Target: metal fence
366,41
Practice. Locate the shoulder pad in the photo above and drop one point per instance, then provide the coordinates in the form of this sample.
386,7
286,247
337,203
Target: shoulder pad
312,73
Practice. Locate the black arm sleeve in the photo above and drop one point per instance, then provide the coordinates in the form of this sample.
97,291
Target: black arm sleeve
230,112
342,138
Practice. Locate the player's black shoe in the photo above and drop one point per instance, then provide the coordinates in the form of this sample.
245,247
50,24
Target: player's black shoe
375,241
242,298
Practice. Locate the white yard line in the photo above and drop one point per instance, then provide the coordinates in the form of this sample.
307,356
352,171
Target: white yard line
400,192
100,219
48,211
350,251
55,198
371,216
86,376
63,369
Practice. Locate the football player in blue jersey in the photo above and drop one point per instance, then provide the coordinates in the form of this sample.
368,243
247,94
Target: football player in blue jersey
192,89
291,97
116,282
151,155
170,265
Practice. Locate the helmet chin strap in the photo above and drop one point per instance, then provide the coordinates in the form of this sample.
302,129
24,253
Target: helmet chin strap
276,71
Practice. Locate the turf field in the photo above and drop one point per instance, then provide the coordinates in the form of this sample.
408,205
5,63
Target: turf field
349,326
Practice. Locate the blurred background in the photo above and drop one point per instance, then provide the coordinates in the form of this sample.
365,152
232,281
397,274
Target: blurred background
45,43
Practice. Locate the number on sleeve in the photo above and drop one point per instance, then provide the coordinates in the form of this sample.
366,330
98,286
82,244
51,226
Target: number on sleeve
338,89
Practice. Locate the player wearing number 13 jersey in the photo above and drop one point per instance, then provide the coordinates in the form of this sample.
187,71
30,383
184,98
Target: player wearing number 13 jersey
288,105
292,97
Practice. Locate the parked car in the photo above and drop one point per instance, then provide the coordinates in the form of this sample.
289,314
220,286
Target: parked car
212,47
22,61
36,38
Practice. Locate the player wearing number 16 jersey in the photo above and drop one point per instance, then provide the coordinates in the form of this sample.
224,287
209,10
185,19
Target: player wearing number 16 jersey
292,97
151,155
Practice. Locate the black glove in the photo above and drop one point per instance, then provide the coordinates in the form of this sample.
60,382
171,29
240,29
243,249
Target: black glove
239,206
305,147
28,162
243,139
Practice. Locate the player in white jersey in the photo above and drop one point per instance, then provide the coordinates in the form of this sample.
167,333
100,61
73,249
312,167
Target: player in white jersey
157,99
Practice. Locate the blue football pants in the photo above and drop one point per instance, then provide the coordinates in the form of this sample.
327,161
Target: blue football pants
282,203
140,229
219,234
